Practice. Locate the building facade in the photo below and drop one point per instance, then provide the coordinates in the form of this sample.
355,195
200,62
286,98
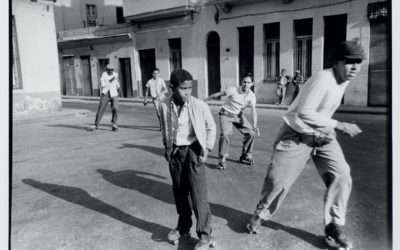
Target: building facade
220,41
36,78
92,34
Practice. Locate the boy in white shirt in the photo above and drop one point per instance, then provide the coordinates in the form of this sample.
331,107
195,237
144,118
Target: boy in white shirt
156,88
231,113
308,131
109,90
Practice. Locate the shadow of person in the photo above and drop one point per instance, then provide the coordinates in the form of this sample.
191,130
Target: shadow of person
144,183
315,240
74,126
83,198
146,128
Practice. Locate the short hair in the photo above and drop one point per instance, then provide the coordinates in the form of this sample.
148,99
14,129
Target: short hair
156,69
179,76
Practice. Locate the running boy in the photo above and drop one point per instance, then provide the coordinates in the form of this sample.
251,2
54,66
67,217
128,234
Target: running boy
308,132
156,88
188,131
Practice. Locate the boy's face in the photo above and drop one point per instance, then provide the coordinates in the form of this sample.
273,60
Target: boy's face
183,91
247,83
348,69
156,74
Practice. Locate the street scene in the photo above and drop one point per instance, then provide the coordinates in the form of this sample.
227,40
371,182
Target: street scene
201,124
77,189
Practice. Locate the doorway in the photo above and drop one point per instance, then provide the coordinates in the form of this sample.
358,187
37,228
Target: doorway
334,33
126,77
69,81
86,76
147,59
246,51
213,62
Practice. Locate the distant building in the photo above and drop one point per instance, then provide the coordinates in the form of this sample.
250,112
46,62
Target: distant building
35,66
91,34
219,41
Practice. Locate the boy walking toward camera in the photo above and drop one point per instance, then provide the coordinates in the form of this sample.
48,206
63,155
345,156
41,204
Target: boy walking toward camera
188,131
308,132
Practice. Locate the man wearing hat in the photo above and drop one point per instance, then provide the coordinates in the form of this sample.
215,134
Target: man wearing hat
109,93
308,131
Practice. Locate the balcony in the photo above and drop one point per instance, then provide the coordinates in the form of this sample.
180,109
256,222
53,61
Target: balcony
149,10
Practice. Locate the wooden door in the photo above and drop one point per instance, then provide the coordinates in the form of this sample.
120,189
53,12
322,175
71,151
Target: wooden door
68,75
86,76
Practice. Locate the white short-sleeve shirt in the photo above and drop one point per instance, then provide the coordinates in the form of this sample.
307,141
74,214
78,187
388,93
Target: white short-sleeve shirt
156,86
236,101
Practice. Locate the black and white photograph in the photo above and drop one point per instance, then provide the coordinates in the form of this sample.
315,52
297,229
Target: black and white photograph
201,124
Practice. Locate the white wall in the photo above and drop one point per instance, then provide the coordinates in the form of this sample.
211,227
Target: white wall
37,43
142,6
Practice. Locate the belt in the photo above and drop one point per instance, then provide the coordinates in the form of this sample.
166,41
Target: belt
228,113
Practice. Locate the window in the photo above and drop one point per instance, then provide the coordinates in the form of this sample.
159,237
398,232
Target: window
120,14
175,54
16,66
271,51
303,46
91,14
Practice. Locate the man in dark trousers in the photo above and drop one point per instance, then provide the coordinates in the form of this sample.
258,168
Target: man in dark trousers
188,131
308,131
109,90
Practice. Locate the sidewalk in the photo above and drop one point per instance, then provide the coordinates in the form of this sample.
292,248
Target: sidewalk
42,116
139,100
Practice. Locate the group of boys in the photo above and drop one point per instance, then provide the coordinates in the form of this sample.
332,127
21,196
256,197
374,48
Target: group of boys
307,132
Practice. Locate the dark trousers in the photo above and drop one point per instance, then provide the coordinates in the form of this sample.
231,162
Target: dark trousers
190,188
104,99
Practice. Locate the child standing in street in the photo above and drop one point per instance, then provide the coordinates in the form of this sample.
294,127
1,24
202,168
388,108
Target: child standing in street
156,88
188,131
281,87
109,93
230,114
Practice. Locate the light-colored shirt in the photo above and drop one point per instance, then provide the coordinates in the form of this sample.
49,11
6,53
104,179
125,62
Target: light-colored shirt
157,87
311,112
236,101
183,134
109,83
201,119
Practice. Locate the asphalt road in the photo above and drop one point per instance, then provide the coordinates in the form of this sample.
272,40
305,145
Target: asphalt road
74,189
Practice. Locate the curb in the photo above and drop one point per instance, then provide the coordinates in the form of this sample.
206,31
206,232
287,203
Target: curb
138,100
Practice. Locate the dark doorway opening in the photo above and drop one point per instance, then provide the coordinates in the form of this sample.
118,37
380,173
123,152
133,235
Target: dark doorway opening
86,77
213,62
334,34
175,54
126,77
147,58
246,51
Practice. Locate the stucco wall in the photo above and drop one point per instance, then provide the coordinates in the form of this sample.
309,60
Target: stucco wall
194,38
37,46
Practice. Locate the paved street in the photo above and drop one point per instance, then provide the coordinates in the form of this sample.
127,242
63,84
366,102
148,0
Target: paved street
75,189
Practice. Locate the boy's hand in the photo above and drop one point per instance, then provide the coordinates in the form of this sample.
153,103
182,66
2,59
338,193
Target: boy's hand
112,78
167,155
257,131
203,158
350,129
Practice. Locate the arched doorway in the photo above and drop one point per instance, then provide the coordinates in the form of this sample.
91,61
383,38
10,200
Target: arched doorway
213,62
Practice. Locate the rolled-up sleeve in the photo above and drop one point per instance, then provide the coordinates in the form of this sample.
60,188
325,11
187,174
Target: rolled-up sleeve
211,128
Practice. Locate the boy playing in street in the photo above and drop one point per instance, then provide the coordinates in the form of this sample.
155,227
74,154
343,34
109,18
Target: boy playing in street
231,113
109,90
188,131
308,132
156,88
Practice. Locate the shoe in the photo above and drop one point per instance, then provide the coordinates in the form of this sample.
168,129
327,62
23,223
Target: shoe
114,127
221,165
205,242
174,236
253,225
246,160
93,127
335,238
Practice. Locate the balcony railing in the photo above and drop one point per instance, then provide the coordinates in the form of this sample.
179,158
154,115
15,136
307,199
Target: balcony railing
94,32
